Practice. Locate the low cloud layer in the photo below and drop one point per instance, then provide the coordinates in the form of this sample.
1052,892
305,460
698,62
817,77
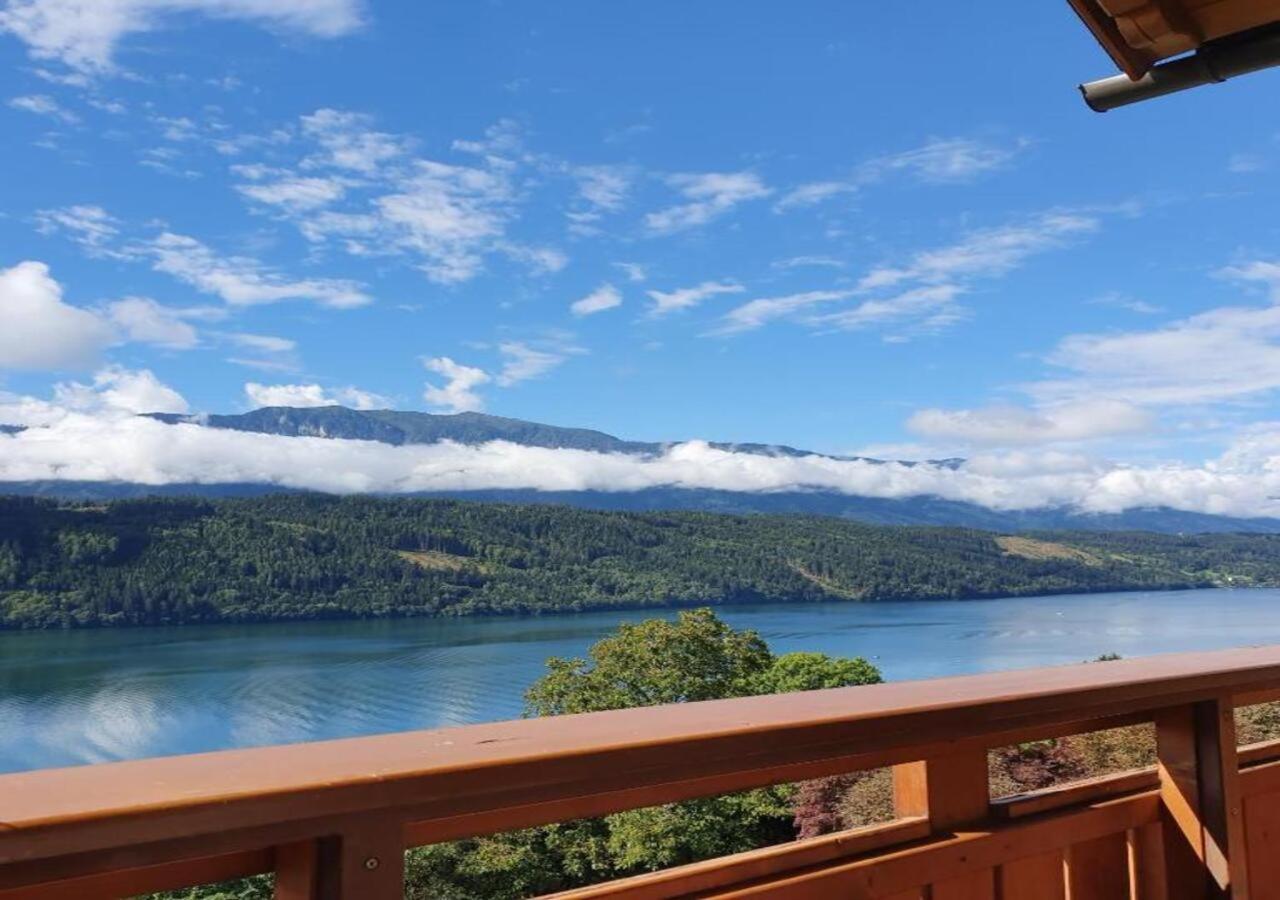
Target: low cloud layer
106,445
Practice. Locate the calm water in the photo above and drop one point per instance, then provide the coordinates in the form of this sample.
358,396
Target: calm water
91,696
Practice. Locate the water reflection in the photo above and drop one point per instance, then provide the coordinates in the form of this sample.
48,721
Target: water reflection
90,696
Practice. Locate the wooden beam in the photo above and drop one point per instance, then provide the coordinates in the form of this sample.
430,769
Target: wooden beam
953,793
712,874
946,858
297,867
364,862
1201,803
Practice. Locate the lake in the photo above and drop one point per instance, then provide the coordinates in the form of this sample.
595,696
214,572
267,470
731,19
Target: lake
72,697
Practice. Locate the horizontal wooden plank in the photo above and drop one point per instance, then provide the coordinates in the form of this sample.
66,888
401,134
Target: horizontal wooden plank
1088,790
129,882
965,852
1259,753
588,763
718,873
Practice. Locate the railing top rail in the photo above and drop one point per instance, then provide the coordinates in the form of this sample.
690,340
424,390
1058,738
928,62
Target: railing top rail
667,751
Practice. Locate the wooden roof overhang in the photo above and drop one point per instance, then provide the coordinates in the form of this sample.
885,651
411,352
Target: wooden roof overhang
1223,37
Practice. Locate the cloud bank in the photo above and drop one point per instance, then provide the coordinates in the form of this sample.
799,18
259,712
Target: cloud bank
109,445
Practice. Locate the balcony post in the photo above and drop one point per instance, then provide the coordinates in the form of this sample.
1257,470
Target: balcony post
364,861
1201,809
953,792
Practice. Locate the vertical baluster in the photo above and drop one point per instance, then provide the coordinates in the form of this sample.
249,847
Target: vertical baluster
1146,863
1033,878
1099,869
297,871
1202,814
952,791
1262,833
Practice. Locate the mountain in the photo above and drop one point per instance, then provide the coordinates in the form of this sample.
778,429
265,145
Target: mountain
401,428
389,426
289,557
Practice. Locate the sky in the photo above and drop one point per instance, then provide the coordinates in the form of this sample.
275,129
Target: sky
881,229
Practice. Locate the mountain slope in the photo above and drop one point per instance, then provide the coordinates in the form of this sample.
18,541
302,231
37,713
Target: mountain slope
290,557
391,426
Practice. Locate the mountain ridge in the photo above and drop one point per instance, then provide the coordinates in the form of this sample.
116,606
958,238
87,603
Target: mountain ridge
399,427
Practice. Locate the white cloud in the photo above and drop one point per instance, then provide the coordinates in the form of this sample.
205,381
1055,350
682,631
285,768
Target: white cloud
1224,354
263,343
43,105
539,260
117,390
817,262
241,281
925,309
919,297
665,302
1011,425
40,331
635,272
144,320
945,160
349,141
265,352
364,190
756,313
310,395
448,214
987,252
814,193
1120,300
114,107
1264,272
939,161
604,297
1246,163
458,394
237,280
710,195
522,362
604,187
178,129
295,193
265,363
75,446
84,34
92,227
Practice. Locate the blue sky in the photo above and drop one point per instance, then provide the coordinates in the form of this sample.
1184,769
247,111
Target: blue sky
848,227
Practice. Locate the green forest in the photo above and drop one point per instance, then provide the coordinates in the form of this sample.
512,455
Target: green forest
295,557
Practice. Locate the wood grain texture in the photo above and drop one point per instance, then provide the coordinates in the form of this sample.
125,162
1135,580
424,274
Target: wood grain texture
1099,869
1034,878
1147,876
1202,802
1262,834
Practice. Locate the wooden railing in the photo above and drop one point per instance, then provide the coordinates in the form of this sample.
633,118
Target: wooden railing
332,819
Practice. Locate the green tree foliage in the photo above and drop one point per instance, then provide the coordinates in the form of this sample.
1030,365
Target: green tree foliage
295,557
697,657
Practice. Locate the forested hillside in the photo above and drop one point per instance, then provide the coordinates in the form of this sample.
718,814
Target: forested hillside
305,557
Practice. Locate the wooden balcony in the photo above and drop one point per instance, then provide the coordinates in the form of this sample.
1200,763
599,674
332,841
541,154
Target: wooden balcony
332,819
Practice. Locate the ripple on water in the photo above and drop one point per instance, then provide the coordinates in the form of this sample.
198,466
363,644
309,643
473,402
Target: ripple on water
73,697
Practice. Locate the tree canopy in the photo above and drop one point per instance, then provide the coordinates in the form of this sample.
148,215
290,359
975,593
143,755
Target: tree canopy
295,557
696,657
